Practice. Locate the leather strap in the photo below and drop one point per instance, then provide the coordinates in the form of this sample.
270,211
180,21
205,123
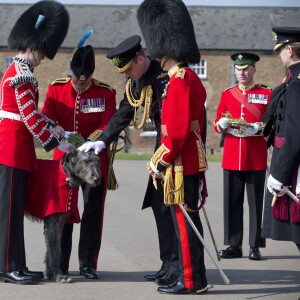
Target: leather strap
237,94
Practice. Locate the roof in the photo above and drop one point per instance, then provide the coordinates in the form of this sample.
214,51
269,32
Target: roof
216,28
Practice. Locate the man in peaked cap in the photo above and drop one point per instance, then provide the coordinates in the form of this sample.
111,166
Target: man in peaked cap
83,105
281,219
37,34
285,35
145,79
244,155
180,160
243,60
123,55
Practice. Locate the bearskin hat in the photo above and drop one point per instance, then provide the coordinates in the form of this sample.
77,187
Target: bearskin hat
83,59
43,26
168,30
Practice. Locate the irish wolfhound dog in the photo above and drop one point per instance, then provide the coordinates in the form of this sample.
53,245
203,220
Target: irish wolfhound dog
80,167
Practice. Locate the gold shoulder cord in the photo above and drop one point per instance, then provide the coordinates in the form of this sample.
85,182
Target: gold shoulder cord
145,100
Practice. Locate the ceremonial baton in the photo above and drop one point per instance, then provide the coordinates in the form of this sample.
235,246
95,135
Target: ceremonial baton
211,234
224,277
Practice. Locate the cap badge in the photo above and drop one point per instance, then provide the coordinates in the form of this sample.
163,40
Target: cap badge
240,56
274,37
116,61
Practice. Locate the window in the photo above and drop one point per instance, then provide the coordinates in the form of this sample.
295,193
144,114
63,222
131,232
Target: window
200,69
7,62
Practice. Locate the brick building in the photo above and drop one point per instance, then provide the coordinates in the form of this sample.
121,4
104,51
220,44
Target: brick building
220,31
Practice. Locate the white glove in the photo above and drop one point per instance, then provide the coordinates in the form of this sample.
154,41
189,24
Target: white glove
252,130
155,173
223,123
274,186
298,189
65,146
67,134
97,146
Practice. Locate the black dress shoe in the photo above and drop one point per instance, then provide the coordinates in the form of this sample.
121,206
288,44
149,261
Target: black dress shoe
159,274
178,288
37,275
175,288
89,273
254,254
167,279
18,277
231,252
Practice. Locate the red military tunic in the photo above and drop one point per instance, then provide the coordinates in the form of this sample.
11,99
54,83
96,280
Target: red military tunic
244,153
185,98
182,123
19,95
83,112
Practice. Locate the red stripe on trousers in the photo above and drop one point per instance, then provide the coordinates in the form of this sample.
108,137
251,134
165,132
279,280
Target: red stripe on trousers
185,248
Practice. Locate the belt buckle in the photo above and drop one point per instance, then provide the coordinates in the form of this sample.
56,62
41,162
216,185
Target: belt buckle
241,132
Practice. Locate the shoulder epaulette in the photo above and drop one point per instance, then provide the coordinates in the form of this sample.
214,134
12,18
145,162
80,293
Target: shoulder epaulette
61,80
162,75
264,86
102,84
231,87
180,73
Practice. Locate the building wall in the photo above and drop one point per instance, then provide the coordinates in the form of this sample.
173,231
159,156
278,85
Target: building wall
269,72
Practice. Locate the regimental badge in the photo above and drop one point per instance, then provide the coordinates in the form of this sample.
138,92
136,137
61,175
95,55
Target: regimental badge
240,56
258,99
92,105
274,37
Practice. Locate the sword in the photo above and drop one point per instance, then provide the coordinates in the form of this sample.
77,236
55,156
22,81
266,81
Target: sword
285,190
211,234
224,277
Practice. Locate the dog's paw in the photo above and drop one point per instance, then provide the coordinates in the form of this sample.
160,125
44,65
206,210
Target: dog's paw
63,278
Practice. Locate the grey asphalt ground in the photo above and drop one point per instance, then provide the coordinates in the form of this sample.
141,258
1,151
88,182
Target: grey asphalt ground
130,250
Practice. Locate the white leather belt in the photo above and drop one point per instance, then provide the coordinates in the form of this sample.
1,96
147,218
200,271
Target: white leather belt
237,132
9,115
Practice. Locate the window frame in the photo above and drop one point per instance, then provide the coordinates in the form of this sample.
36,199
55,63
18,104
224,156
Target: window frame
201,68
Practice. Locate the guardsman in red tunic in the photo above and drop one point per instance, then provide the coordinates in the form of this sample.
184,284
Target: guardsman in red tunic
144,87
180,160
239,114
37,34
83,105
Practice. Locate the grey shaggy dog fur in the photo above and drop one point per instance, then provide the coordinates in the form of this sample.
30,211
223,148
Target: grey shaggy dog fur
80,167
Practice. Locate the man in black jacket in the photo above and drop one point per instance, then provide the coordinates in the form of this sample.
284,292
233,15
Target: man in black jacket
145,85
